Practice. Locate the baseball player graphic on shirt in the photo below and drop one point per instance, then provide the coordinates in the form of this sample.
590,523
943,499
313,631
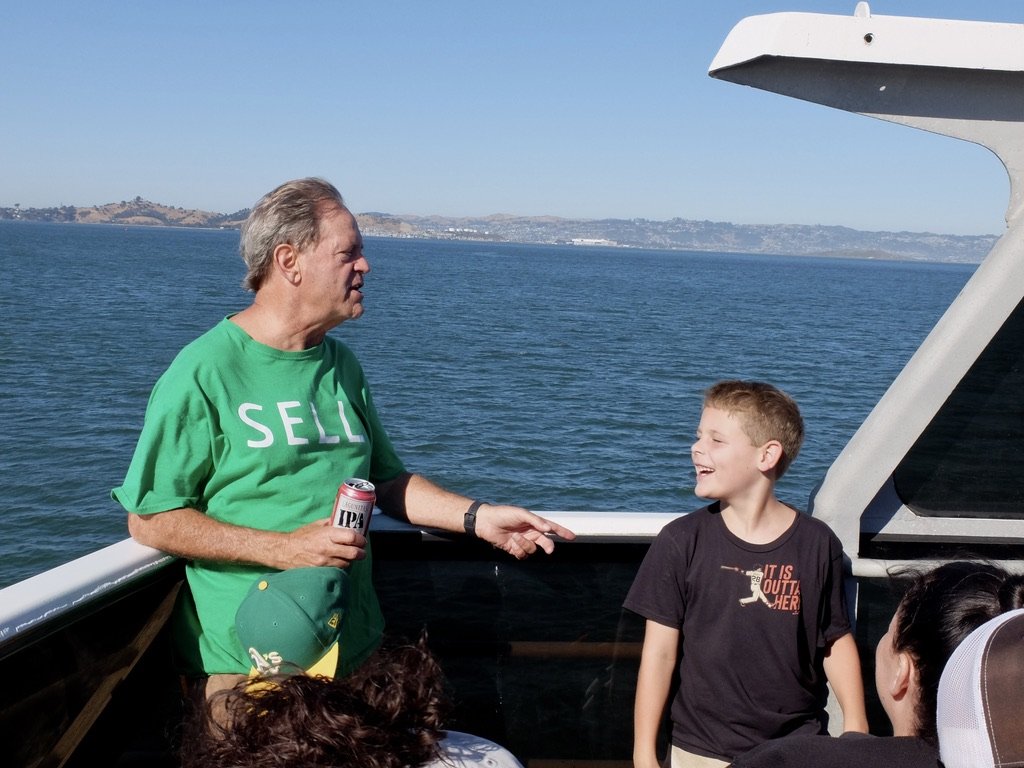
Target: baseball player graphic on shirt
756,578
776,585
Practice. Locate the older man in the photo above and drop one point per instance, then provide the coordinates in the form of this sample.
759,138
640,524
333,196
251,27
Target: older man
253,426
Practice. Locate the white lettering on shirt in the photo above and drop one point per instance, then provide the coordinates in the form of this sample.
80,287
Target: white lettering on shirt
290,424
243,414
288,421
325,439
348,429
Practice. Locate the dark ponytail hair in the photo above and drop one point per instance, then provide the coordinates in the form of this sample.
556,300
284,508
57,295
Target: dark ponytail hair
939,609
1011,594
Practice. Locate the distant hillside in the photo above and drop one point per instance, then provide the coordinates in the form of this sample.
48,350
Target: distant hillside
691,235
137,212
678,234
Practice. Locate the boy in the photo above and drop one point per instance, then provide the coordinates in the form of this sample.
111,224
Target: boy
749,590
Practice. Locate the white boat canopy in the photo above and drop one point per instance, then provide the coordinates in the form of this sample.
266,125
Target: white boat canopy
940,459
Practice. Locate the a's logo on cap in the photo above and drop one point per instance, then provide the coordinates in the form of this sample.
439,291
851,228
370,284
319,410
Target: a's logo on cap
266,665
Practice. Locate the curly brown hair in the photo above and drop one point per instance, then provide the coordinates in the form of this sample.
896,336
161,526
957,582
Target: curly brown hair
387,714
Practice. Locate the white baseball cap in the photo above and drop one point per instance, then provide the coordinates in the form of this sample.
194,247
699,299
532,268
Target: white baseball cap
464,750
980,713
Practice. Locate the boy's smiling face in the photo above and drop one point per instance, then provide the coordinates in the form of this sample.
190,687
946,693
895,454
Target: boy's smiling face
724,457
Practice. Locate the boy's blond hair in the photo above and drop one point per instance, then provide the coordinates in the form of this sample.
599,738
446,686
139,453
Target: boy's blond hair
766,413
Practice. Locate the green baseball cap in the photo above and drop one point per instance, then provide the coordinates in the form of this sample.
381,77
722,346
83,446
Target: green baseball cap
292,619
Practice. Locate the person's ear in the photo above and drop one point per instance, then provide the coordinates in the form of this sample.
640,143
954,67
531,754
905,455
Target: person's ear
771,453
902,676
286,262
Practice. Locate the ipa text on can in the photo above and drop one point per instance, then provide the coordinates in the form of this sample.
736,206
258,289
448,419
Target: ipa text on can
353,505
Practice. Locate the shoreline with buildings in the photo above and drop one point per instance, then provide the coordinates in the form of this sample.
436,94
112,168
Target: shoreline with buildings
672,234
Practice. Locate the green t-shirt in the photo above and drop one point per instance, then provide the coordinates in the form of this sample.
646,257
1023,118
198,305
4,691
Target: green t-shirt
262,438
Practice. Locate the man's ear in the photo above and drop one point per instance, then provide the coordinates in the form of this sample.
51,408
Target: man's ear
286,262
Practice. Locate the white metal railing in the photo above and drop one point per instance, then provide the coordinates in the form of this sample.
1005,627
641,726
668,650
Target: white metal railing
49,594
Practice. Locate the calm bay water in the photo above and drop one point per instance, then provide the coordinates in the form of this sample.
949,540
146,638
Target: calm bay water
556,377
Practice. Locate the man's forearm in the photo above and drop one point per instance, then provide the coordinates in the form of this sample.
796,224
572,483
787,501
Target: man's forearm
421,502
193,535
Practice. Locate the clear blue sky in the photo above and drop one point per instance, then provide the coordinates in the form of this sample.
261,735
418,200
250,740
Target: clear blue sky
576,108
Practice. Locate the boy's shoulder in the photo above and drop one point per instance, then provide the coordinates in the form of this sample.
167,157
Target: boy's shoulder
691,521
682,534
812,526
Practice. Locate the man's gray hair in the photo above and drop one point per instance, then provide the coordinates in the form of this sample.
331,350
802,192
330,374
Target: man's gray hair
289,214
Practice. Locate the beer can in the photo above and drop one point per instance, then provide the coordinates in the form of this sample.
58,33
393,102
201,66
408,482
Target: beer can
353,505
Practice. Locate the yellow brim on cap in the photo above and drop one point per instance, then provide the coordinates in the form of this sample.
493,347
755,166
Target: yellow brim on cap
328,664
